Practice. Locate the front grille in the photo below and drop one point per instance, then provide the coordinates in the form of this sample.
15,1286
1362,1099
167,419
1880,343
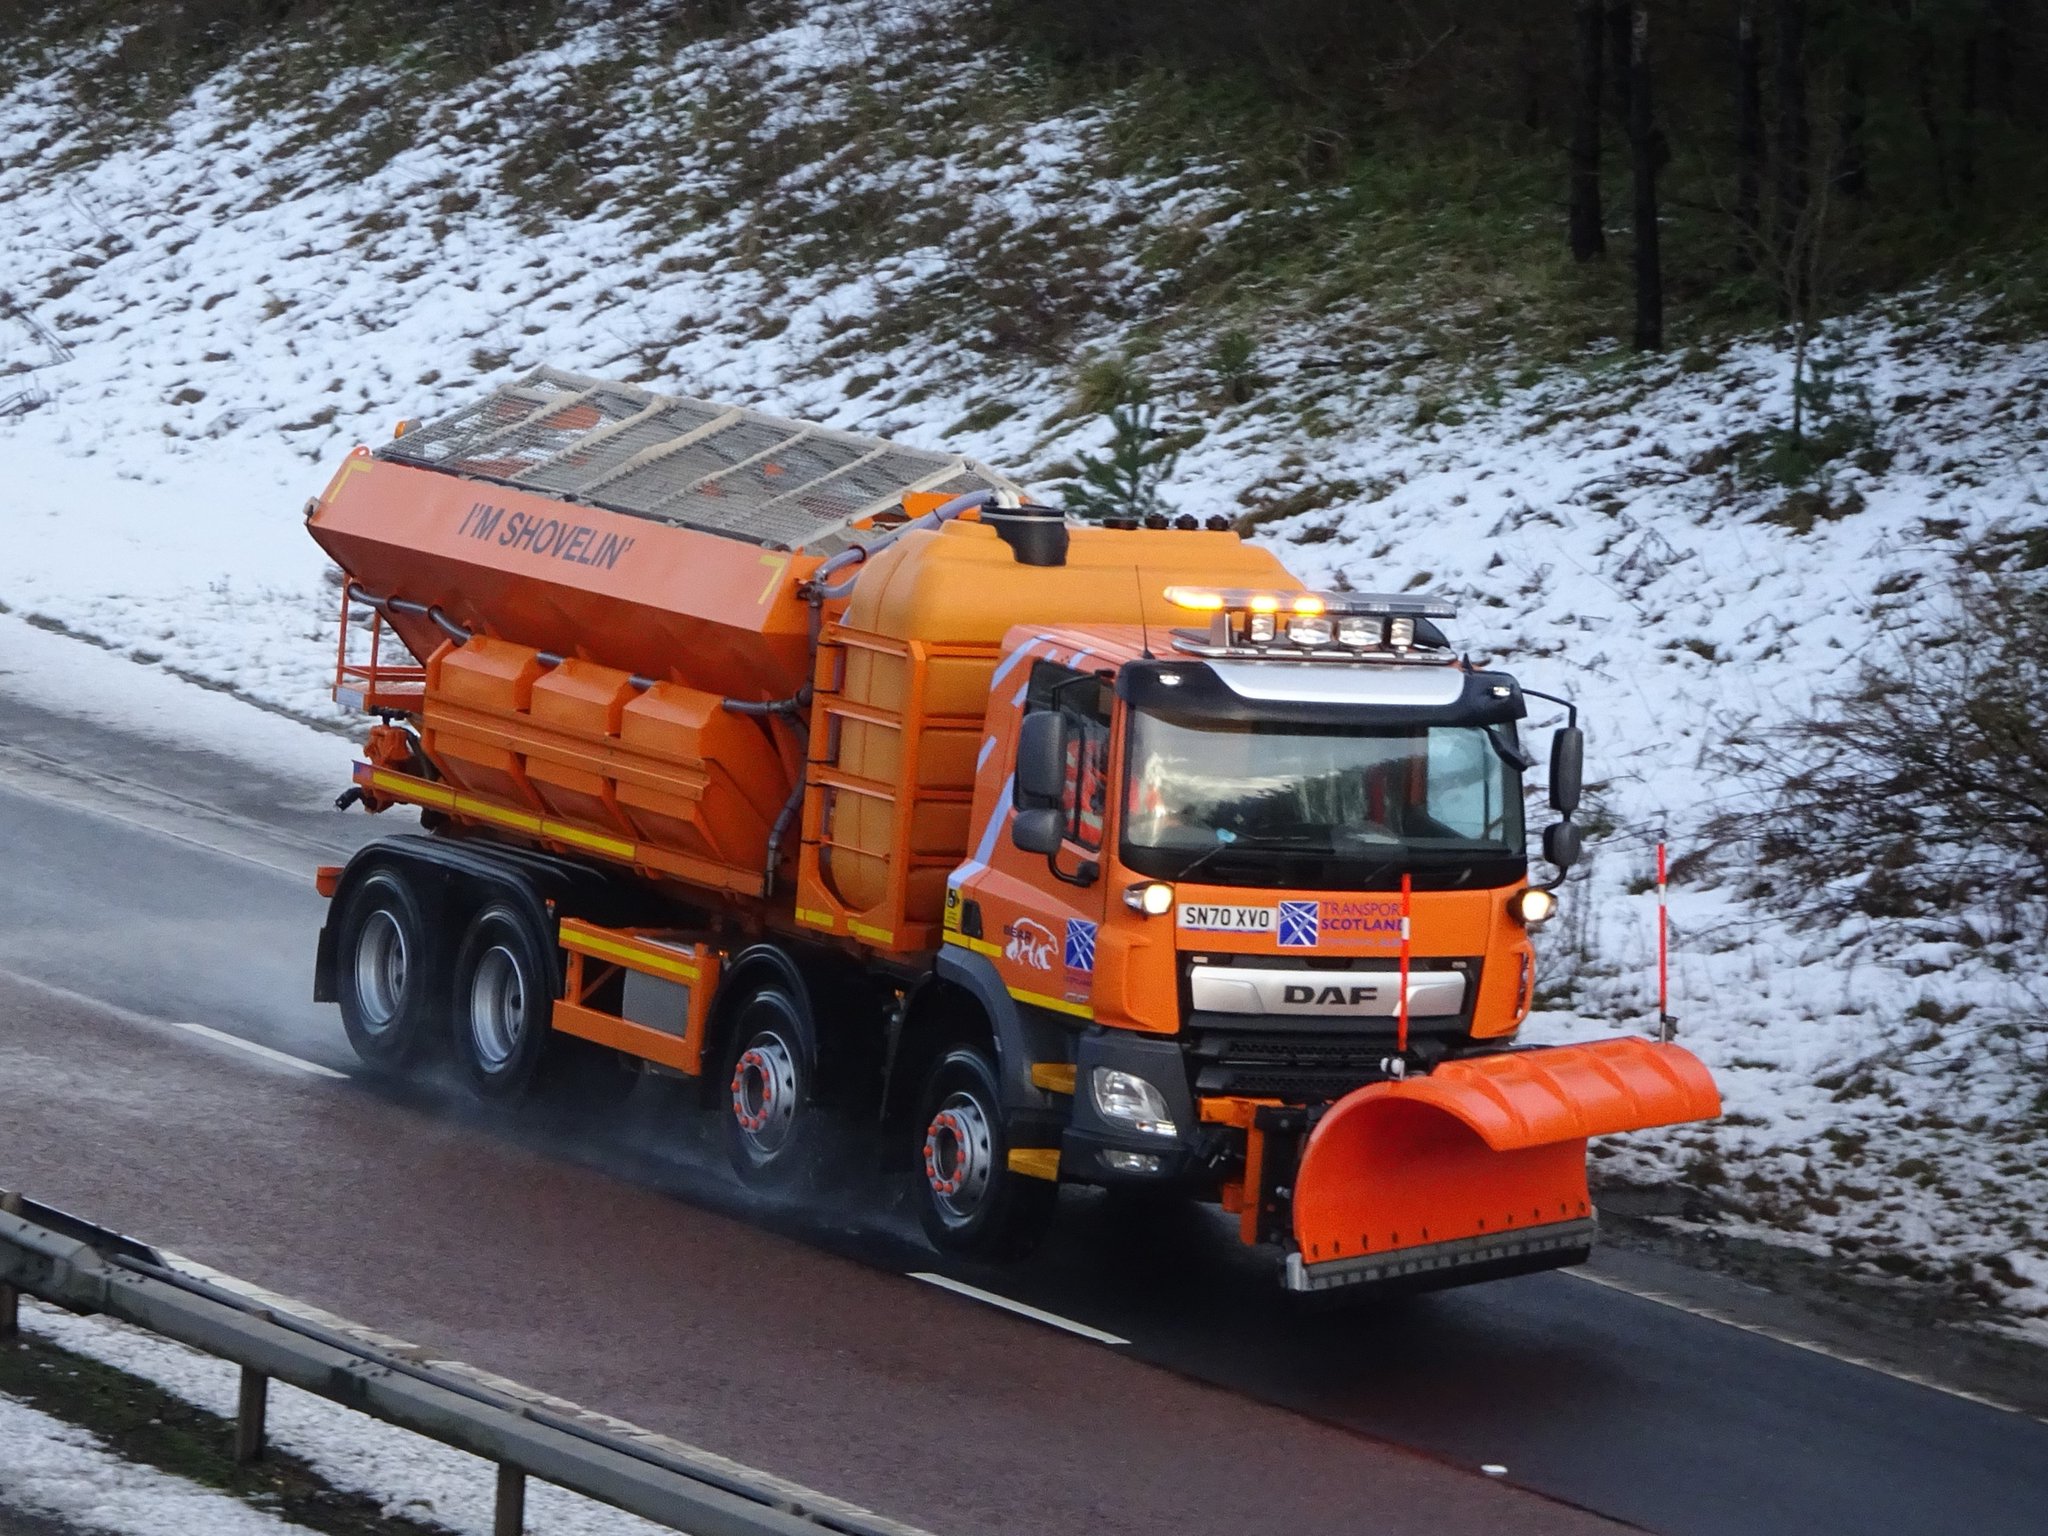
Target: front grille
1301,1068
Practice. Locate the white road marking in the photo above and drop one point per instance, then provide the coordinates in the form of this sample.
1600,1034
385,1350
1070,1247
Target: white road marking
1018,1307
1780,1336
130,1016
280,1057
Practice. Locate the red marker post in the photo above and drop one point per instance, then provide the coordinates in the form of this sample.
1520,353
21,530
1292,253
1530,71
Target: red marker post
1664,1019
1407,904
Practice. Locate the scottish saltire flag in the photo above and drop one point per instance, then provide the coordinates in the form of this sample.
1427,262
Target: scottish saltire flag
1080,945
1299,921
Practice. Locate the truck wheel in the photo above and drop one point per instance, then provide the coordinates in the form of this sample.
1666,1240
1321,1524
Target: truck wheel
768,1110
385,964
968,1199
501,1003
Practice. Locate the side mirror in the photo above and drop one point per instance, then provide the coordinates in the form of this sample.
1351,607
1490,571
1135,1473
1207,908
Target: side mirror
1039,830
1567,769
1041,760
1562,844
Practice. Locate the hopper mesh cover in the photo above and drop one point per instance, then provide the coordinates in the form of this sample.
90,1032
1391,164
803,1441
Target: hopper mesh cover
724,469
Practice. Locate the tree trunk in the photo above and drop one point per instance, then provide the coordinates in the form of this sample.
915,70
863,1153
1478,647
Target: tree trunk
1792,188
1619,13
1588,234
1966,118
1749,136
1852,153
1647,152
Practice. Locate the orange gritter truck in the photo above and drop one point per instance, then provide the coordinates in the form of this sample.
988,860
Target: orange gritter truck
833,775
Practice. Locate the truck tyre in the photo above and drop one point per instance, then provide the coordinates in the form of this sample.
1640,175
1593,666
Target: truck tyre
770,1072
969,1200
386,962
501,1003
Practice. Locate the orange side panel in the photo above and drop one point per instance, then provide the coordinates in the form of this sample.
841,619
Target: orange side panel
1482,1147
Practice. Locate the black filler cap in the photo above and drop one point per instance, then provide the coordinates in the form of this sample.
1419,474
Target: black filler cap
1036,535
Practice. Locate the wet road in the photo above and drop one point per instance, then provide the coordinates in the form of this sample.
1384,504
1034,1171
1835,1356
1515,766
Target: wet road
617,1264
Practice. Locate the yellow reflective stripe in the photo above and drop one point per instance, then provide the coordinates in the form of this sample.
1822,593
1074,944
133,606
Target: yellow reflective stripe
1056,1004
414,789
612,949
815,918
1053,1076
979,946
1035,1162
874,935
439,796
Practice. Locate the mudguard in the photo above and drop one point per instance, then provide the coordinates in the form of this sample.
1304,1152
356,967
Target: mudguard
1481,1165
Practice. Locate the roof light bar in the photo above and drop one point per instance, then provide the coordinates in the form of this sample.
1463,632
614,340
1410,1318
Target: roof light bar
1336,604
1312,626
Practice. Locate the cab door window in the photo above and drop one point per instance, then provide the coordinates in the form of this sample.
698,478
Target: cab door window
1083,702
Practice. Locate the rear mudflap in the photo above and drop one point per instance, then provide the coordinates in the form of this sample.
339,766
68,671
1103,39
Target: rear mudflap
1478,1169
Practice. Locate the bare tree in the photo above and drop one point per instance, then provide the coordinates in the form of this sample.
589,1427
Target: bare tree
1586,219
1792,147
1749,135
1648,151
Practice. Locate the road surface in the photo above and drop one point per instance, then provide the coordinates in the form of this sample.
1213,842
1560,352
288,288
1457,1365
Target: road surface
615,1262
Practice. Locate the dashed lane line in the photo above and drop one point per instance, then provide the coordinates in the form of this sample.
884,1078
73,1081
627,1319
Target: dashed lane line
150,1021
282,1058
1052,1319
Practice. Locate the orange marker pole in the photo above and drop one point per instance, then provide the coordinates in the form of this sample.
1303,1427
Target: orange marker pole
1407,905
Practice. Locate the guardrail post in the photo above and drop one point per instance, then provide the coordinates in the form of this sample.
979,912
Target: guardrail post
511,1516
250,1415
10,1298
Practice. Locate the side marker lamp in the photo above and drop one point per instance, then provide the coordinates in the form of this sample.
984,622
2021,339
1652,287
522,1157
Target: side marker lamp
1154,898
1533,907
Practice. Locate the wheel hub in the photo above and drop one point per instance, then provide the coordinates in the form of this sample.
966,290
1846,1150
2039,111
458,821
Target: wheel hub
959,1157
497,1007
764,1094
380,970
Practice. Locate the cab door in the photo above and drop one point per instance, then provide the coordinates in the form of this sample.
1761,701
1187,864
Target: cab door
1036,912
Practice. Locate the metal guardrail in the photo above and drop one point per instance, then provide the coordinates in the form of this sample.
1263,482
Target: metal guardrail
74,1264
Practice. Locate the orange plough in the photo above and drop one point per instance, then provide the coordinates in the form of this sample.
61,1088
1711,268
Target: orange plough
1479,1168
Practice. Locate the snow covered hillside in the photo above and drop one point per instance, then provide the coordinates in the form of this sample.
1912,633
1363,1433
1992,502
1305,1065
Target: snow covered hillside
215,310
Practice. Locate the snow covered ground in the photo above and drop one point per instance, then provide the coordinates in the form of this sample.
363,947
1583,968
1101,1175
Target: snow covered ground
238,309
54,1469
62,1472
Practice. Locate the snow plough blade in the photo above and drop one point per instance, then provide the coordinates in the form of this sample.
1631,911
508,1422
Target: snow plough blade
1479,1169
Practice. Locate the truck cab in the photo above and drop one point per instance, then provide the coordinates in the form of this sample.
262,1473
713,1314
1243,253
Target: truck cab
1251,864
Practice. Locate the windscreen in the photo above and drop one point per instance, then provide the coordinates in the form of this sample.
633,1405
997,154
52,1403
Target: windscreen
1271,803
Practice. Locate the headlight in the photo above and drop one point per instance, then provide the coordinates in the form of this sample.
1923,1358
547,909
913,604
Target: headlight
1154,898
1126,1099
1534,907
1309,631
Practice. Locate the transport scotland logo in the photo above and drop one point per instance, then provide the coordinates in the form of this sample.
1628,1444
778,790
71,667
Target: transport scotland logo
1080,945
1298,924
